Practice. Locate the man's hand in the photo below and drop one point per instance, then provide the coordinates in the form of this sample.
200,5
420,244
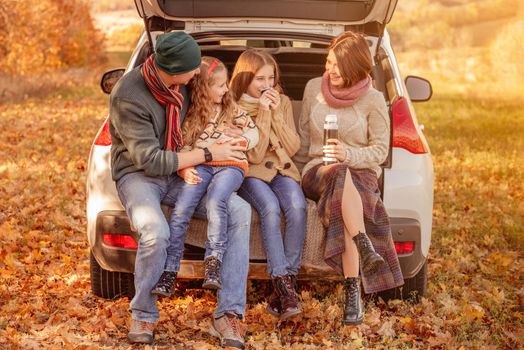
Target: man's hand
231,150
190,175
240,141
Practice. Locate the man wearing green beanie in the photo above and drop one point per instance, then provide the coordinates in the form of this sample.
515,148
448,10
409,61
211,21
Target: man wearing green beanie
147,108
177,53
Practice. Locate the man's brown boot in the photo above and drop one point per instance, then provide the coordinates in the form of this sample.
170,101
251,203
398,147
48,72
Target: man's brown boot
229,329
141,332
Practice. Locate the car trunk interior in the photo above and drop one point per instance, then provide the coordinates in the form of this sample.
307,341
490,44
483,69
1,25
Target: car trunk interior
297,65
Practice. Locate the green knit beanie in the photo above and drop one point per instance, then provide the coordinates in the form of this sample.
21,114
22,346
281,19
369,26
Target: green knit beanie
177,53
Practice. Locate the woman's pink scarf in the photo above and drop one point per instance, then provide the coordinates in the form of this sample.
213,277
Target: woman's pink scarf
342,98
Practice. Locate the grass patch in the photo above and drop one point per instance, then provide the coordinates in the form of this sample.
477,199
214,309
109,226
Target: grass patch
477,148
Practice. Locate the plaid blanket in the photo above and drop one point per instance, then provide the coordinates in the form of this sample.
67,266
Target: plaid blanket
325,184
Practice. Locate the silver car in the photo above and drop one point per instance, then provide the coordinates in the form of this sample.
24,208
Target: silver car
297,34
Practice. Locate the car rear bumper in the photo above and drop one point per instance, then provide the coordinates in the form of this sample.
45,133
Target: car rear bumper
111,258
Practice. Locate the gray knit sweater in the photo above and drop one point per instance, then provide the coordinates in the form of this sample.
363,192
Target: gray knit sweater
137,127
363,128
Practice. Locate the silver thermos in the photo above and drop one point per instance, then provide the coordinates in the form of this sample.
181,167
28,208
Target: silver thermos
330,132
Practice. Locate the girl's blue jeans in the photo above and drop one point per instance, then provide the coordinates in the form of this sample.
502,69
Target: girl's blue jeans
284,194
219,182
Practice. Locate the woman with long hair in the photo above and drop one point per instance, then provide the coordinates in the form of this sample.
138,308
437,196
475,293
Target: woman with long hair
212,118
347,191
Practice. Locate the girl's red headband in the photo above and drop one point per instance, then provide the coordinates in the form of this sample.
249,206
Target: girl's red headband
212,66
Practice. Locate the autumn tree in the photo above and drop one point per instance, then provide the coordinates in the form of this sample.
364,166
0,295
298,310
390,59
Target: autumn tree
47,35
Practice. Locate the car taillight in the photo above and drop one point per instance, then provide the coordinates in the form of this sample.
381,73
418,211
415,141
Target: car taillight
404,247
405,133
104,137
119,241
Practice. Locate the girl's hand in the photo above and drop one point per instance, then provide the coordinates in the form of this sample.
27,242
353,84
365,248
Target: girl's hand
274,96
265,100
233,130
335,149
190,175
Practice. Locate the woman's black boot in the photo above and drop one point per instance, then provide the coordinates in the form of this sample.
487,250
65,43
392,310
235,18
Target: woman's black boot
370,260
353,308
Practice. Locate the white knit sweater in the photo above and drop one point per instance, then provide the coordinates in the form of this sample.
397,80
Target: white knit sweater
364,128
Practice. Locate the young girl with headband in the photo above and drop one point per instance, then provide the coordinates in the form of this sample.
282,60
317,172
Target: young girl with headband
212,117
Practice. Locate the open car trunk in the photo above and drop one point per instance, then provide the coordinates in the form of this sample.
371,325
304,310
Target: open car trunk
344,12
297,63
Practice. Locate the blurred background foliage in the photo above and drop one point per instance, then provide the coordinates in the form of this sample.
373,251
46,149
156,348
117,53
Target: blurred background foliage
124,38
462,47
47,44
467,47
425,24
112,5
47,35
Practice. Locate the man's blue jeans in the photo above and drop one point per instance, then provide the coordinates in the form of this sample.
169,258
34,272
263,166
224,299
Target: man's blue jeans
141,196
283,254
219,182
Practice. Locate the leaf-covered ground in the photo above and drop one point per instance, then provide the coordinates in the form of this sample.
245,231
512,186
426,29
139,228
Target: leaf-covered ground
475,295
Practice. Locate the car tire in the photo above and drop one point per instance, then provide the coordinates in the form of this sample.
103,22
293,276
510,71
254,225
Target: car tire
110,284
413,289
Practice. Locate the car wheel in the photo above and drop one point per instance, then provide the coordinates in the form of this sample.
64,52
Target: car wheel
413,289
110,284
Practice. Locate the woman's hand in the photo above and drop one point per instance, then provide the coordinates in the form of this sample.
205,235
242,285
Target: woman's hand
335,149
190,175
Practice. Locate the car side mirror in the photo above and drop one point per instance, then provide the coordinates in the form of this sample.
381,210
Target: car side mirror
110,78
419,89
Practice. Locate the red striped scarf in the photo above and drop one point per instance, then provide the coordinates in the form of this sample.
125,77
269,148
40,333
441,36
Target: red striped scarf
172,99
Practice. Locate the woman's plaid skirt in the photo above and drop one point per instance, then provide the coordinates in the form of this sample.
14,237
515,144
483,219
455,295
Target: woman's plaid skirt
325,184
